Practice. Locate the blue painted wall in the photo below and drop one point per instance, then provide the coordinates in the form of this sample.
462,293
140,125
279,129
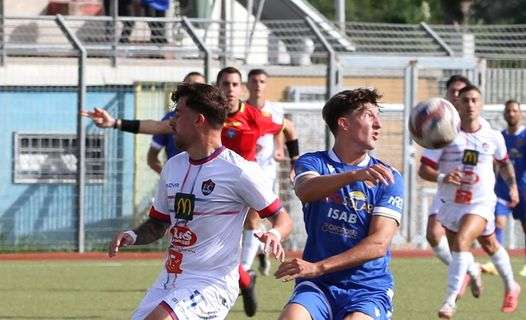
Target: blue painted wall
37,215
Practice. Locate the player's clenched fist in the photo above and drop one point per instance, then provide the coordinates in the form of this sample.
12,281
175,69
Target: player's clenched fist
297,268
272,244
121,239
375,174
100,117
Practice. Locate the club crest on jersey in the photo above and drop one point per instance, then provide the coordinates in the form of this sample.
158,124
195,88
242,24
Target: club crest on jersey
358,200
207,187
231,133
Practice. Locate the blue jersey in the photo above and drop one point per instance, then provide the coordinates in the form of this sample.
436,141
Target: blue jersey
339,222
166,141
516,145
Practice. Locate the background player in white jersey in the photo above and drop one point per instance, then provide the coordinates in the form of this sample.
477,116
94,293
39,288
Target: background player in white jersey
352,204
269,149
515,138
435,232
464,170
202,199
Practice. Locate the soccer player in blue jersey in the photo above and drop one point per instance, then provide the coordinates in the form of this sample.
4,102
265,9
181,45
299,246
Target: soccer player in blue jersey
352,204
515,138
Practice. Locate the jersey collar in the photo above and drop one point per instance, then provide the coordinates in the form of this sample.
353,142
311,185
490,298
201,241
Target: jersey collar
334,157
209,158
521,128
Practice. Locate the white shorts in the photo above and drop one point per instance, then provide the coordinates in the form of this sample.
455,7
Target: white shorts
187,303
435,206
451,213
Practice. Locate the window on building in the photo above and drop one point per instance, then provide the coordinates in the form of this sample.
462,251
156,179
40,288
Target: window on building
51,158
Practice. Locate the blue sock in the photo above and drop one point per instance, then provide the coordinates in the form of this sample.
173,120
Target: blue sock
499,233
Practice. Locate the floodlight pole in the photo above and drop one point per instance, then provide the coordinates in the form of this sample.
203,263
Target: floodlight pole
81,130
202,46
3,53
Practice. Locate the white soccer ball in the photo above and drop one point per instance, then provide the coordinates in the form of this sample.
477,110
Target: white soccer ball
434,123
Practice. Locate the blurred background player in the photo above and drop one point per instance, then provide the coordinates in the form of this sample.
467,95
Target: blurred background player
465,176
166,141
515,138
269,149
352,205
210,191
435,232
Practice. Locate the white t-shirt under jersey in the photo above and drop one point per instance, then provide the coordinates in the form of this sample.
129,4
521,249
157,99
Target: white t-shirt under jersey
265,144
206,249
476,164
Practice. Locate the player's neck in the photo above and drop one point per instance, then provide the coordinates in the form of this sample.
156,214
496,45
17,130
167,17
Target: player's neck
258,102
234,108
347,154
470,125
515,128
205,146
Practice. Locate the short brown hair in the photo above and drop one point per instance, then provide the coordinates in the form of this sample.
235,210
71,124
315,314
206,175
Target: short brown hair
512,101
345,102
457,78
228,70
256,72
205,99
467,88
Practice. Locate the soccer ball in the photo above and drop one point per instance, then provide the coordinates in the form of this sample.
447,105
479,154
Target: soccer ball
434,123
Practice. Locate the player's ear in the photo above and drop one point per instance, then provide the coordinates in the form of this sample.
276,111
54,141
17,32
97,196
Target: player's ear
343,123
200,120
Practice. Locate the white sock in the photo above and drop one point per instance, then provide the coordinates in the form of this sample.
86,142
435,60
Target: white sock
442,251
249,248
501,260
473,268
456,273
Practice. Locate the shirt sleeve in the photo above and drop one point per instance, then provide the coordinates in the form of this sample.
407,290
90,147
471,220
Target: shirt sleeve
431,157
161,208
501,153
256,190
307,164
391,201
160,141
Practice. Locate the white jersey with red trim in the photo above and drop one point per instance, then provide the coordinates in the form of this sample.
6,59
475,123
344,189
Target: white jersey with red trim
206,203
472,153
265,143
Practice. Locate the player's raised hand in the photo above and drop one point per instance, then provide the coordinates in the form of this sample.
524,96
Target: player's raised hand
297,268
272,244
375,174
100,117
120,239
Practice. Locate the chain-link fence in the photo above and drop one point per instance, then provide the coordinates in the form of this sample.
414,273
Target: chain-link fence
130,73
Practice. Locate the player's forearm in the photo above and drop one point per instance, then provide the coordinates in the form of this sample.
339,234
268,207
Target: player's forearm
149,231
289,130
155,127
282,223
507,173
427,173
319,187
153,160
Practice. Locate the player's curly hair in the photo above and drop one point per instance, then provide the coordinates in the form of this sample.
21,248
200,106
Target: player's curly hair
346,102
205,99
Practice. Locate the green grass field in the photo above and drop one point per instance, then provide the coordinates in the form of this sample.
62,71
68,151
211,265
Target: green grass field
111,290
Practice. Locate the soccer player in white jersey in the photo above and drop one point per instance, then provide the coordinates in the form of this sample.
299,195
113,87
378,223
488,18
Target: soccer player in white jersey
352,205
464,171
435,232
269,149
203,197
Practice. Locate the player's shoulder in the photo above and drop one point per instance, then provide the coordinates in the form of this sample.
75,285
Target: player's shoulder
395,171
314,156
229,159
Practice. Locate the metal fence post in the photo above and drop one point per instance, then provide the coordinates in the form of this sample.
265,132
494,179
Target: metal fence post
332,78
114,11
202,46
410,90
81,130
2,34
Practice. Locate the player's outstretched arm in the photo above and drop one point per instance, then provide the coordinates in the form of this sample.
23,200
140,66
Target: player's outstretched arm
102,119
375,245
281,228
311,187
148,232
507,173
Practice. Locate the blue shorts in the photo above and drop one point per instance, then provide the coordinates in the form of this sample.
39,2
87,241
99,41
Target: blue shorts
519,212
334,303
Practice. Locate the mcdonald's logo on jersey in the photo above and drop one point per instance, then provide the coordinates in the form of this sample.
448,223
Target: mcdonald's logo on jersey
184,206
470,157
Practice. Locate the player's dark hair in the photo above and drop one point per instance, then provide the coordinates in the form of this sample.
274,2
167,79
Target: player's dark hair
467,88
345,102
227,70
205,99
512,101
193,74
256,72
457,78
